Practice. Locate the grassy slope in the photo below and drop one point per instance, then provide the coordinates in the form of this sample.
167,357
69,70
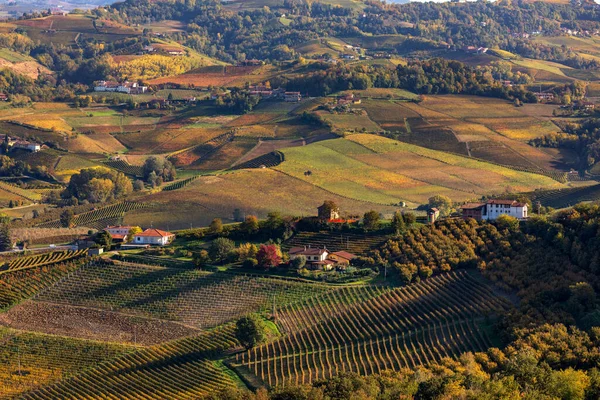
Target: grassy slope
350,168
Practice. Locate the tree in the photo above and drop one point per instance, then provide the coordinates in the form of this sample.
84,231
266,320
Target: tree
97,185
66,218
409,218
250,225
5,239
220,249
442,203
216,226
134,230
505,221
247,250
398,223
268,256
274,222
162,167
138,185
250,331
371,220
104,239
298,262
201,259
569,384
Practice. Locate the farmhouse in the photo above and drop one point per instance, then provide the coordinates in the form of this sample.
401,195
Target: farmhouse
544,96
154,236
292,96
318,258
260,90
124,87
492,209
342,258
119,233
348,99
26,145
3,97
584,105
328,213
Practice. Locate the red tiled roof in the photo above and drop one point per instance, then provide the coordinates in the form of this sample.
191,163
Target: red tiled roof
344,254
309,251
152,232
117,236
472,206
513,203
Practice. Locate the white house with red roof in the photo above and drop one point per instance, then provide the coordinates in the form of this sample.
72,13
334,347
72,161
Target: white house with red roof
119,232
154,236
321,258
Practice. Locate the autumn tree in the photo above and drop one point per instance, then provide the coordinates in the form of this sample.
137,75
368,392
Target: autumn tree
250,225
216,226
268,256
134,230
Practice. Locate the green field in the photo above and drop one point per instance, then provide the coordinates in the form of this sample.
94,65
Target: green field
386,171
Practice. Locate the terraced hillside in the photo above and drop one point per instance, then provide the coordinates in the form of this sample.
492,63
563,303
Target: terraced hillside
101,217
40,260
28,360
201,299
368,331
180,370
18,285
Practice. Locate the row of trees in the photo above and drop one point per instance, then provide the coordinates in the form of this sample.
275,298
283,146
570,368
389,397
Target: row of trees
222,250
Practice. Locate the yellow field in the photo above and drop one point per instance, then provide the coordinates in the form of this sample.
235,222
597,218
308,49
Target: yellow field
255,192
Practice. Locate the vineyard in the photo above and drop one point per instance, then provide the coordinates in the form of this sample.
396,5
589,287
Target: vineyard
266,160
40,260
197,298
180,370
180,184
199,153
371,330
24,193
101,217
28,360
357,243
125,167
22,284
560,198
